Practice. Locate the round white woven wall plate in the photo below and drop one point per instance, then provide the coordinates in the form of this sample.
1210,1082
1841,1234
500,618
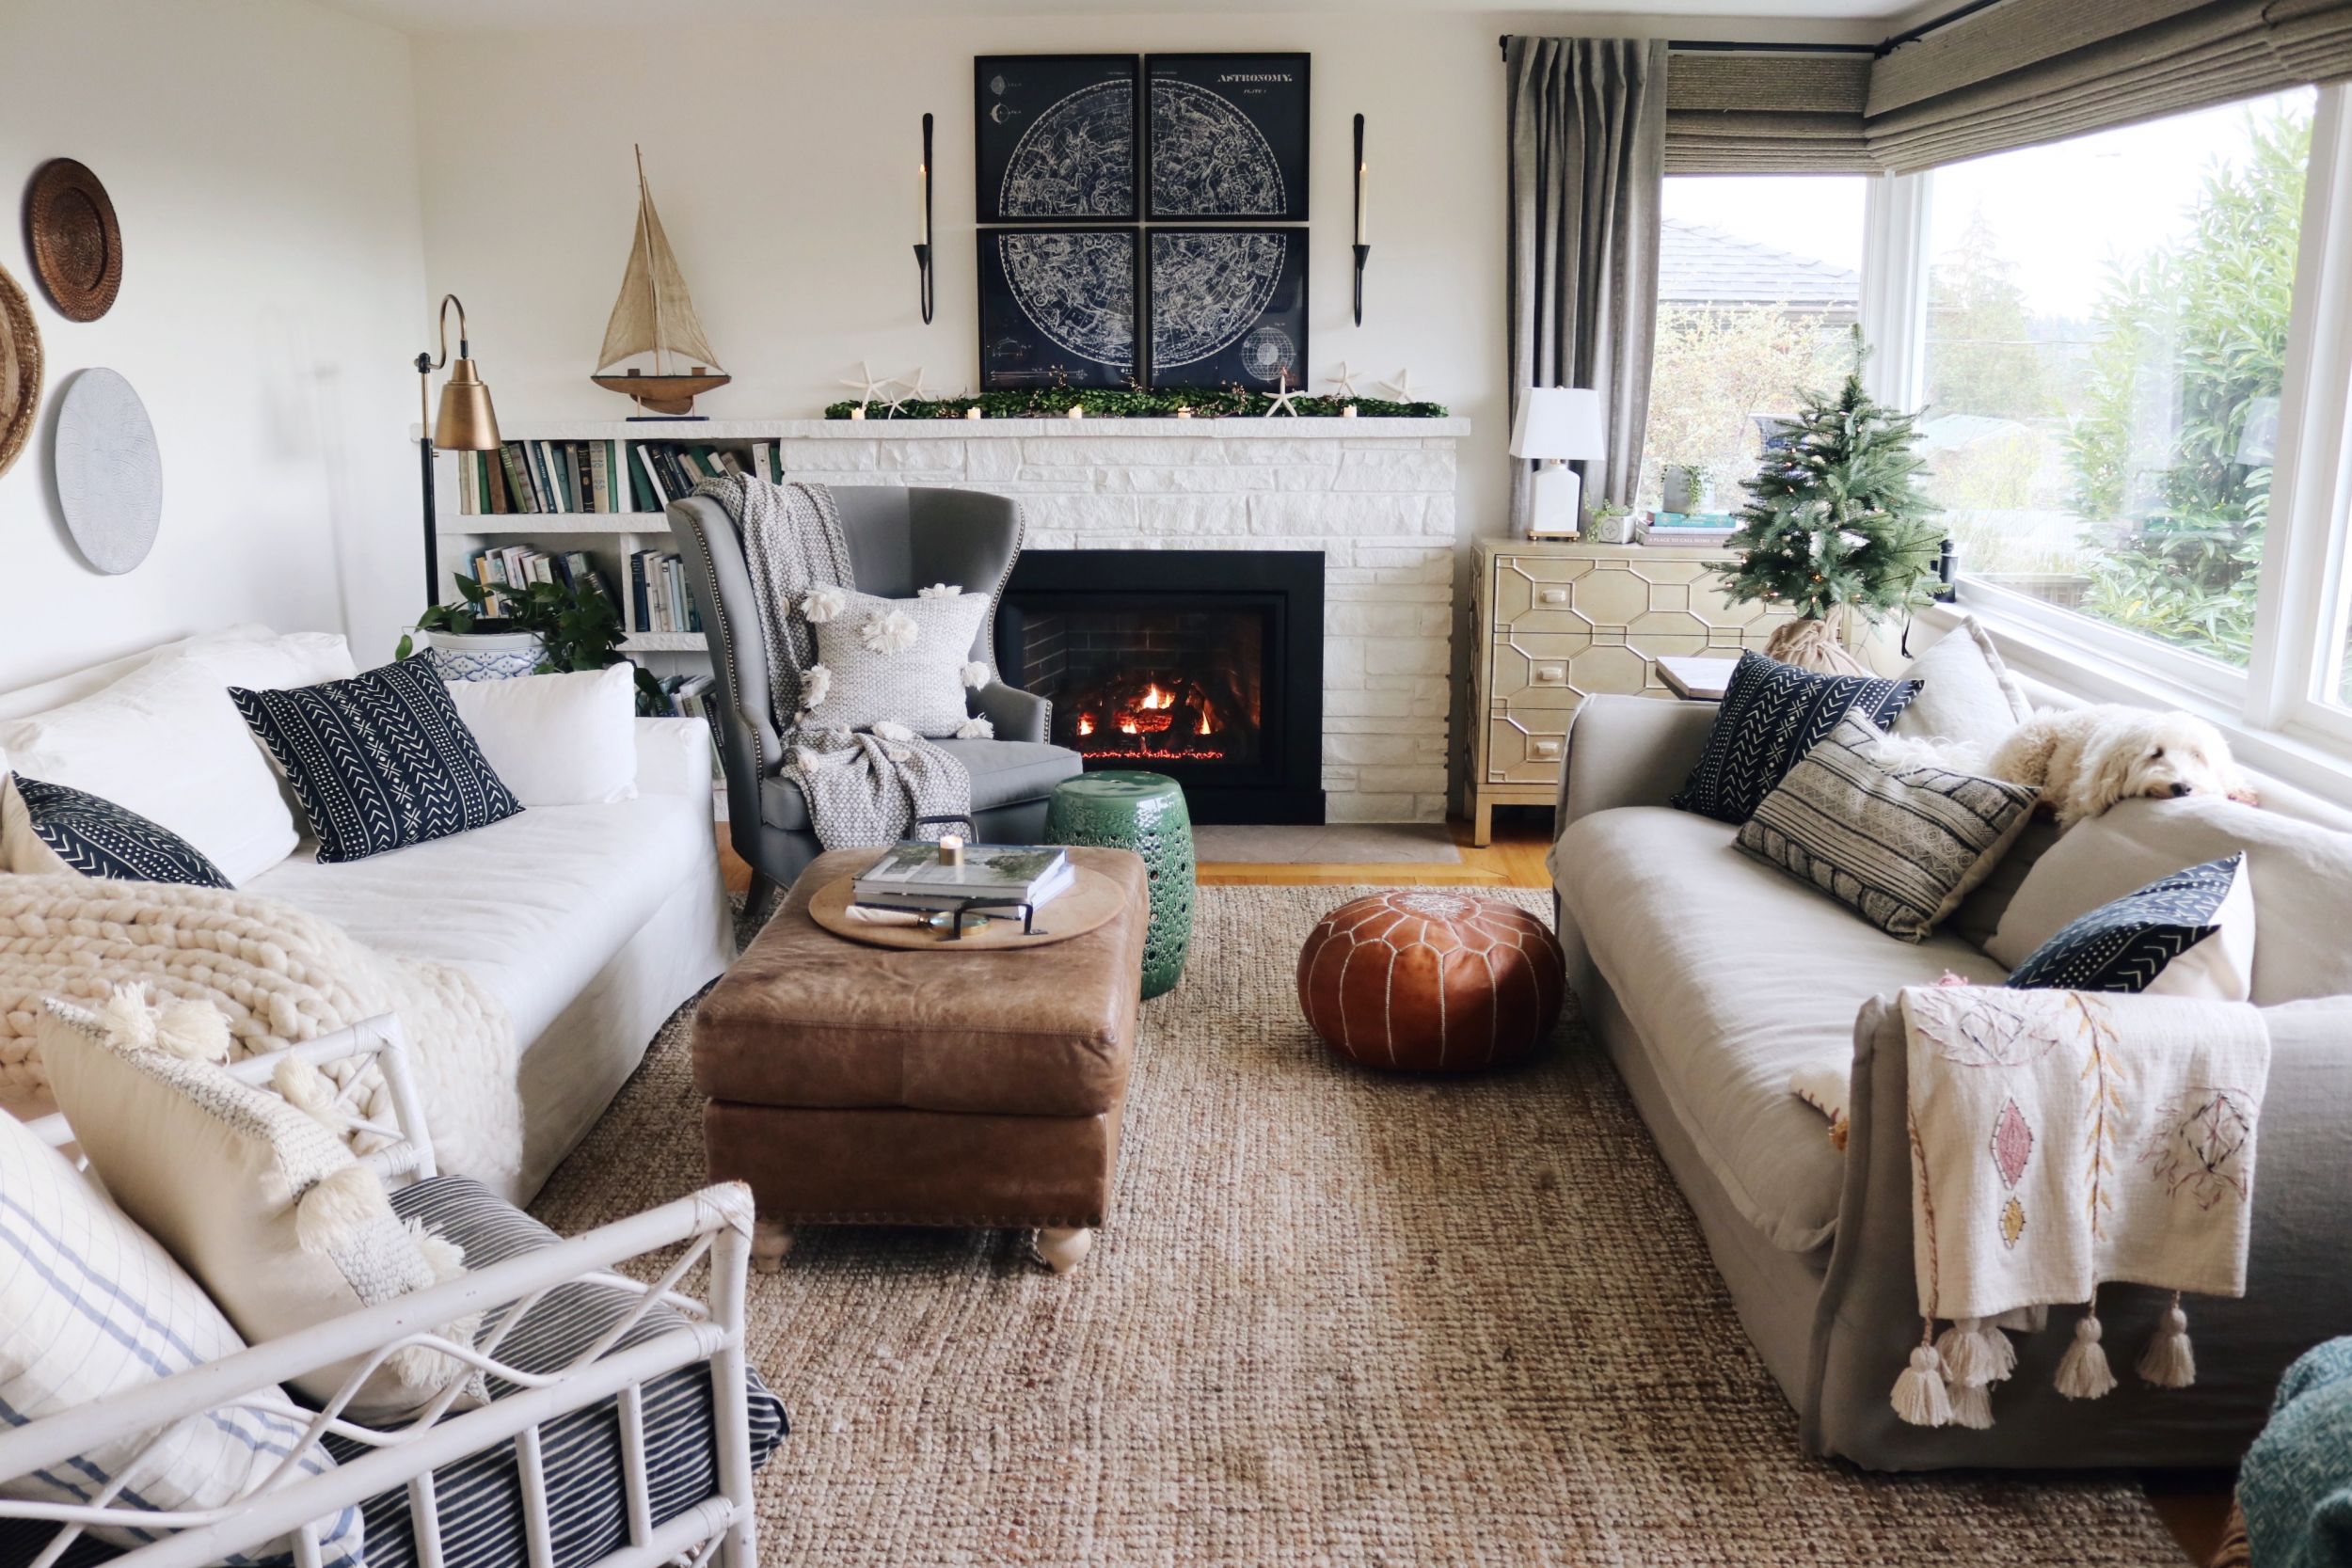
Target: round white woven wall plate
110,474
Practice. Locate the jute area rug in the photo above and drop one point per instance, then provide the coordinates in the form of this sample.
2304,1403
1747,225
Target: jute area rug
1335,1320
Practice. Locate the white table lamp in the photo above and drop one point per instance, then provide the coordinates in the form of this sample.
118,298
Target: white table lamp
1556,423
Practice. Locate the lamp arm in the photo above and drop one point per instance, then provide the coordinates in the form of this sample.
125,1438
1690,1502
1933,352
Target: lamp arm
426,365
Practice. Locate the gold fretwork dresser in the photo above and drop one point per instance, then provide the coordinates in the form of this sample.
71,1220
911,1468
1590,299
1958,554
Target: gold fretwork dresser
1556,620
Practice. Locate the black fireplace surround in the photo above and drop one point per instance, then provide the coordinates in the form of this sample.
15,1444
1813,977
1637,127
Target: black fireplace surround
1204,665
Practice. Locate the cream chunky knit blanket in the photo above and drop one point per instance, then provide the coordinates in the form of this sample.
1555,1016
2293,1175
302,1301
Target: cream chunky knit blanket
281,977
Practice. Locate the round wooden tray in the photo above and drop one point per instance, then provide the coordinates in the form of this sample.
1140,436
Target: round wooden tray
1091,901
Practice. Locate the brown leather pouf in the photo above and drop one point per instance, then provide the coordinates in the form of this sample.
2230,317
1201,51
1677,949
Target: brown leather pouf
1422,980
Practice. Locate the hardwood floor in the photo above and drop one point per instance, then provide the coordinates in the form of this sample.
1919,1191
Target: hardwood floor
2193,1505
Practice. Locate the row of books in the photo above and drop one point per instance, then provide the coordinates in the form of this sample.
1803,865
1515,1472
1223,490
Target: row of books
912,875
658,592
529,478
689,696
515,565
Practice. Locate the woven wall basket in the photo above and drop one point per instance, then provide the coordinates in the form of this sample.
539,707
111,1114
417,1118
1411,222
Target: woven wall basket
77,245
20,370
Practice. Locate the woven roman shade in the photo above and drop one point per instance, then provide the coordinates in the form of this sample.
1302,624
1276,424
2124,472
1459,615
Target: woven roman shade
2014,75
1769,112
2038,70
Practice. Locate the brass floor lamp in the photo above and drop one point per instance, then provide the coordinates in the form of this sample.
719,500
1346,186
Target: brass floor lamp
466,423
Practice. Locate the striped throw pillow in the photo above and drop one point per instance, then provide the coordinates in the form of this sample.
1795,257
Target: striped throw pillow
91,1306
1901,845
1772,714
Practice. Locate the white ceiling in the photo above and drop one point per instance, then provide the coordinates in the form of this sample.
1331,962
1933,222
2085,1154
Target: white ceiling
487,16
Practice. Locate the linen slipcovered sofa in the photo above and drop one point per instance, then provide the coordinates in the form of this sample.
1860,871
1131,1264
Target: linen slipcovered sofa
591,922
1710,975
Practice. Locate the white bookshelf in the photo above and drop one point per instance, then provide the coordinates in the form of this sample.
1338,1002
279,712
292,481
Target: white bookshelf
610,538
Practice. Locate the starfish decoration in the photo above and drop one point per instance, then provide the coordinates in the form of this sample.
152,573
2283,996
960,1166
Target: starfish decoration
1284,399
917,391
1344,385
1400,385
866,387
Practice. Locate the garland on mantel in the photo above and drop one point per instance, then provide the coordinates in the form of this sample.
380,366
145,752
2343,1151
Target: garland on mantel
1055,403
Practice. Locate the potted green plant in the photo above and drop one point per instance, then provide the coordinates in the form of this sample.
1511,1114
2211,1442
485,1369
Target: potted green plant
1686,488
1612,523
575,625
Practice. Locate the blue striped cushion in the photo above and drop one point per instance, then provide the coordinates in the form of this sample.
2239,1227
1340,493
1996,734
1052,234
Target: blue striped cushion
481,1499
1772,714
380,761
91,1306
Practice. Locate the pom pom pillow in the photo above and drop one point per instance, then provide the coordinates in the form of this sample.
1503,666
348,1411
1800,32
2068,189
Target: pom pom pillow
904,662
261,1198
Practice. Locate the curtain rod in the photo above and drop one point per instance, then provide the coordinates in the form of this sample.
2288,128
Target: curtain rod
1691,46
1967,8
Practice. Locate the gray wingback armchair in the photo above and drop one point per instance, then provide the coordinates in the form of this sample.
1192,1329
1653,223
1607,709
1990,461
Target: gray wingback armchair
900,540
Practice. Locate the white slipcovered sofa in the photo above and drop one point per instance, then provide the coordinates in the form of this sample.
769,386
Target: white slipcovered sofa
590,922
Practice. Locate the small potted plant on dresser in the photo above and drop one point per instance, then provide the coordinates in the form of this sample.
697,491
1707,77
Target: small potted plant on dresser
1613,524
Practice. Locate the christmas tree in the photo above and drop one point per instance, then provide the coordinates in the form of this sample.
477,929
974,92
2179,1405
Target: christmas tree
1834,525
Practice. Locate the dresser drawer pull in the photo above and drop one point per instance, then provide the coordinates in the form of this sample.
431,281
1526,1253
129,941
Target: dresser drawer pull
1551,675
1543,750
1552,595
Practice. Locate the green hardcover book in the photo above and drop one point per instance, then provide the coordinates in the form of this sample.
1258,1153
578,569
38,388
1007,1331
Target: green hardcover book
518,483
640,491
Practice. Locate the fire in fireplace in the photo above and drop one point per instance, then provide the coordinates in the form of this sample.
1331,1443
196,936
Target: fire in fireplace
1206,665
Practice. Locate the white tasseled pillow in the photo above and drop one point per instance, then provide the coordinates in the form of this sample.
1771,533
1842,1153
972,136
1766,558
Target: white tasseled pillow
906,662
261,1199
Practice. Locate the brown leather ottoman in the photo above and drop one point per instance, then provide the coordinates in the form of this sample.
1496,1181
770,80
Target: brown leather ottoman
866,1085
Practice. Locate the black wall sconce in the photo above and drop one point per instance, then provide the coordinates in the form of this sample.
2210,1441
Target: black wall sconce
923,233
1363,246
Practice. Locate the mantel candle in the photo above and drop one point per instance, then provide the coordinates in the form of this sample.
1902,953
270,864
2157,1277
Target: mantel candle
973,412
859,412
1077,410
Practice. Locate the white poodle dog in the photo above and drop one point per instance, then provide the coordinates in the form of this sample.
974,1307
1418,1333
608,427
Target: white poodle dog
2085,759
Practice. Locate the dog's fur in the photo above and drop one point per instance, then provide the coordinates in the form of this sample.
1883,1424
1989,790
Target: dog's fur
2085,759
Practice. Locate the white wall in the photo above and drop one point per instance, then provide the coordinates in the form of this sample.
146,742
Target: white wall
260,156
782,157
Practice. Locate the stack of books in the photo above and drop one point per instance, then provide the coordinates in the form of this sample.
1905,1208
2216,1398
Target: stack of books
910,876
658,592
669,470
516,566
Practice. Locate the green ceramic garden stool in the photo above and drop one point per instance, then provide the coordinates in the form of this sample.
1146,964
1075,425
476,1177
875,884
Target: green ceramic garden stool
1144,812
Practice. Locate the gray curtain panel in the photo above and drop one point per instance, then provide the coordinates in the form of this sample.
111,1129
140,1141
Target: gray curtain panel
1588,148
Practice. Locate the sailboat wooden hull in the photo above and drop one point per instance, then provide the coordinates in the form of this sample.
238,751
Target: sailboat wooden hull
663,394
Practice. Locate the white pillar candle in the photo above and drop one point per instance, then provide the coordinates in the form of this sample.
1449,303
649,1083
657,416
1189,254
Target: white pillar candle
1077,410
1349,412
859,412
972,413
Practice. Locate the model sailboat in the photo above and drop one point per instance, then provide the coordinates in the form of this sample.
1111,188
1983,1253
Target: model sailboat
655,315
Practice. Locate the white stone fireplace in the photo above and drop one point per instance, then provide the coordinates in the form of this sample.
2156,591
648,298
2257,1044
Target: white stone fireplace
1376,496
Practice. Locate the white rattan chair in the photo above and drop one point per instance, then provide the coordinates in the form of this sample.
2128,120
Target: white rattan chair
713,1223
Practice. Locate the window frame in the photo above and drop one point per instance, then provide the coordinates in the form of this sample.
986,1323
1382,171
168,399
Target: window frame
2303,595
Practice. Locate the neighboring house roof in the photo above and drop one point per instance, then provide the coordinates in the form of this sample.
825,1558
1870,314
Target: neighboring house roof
1701,266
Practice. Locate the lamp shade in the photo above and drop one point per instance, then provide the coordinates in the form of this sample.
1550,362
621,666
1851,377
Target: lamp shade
1559,422
466,421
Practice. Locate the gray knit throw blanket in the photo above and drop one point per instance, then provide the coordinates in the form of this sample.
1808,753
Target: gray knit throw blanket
861,789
